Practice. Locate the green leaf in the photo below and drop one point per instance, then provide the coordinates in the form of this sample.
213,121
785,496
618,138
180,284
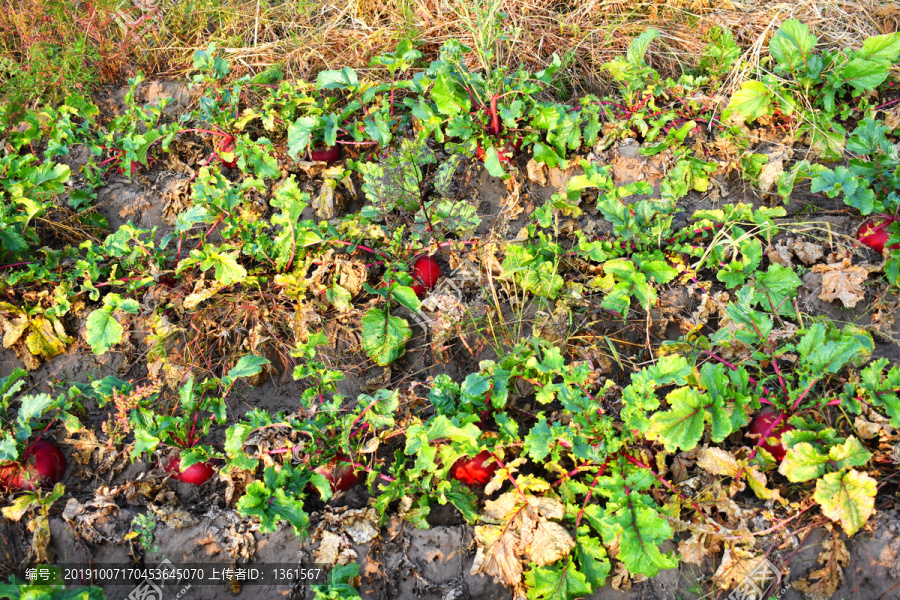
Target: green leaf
10,240
639,45
384,336
750,102
227,269
444,93
247,366
378,129
591,555
847,497
682,425
8,448
270,502
775,288
144,443
33,407
492,163
335,80
881,48
559,581
659,270
545,154
791,44
864,74
633,518
103,331
537,442
299,133
406,296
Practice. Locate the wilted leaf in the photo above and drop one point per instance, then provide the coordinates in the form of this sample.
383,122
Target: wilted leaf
526,534
736,566
770,173
842,281
833,557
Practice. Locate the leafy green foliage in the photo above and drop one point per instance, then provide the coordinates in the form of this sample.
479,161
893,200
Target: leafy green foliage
190,422
33,410
103,329
277,498
570,448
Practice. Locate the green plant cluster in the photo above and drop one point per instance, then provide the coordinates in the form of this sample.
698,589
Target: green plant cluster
580,465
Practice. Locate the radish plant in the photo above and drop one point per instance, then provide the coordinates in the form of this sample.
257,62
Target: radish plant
27,460
185,428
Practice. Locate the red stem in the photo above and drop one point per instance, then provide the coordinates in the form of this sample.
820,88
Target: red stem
663,481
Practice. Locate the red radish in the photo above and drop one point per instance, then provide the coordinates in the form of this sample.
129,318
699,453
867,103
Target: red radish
340,473
474,471
43,464
874,234
198,473
418,288
761,424
325,154
227,147
427,270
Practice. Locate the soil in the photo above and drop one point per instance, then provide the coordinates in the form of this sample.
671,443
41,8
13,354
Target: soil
197,525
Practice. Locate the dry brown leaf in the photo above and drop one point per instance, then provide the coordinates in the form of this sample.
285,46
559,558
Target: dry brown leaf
770,173
560,177
842,281
498,556
807,252
537,172
173,516
329,548
699,546
833,557
525,533
361,525
736,566
323,203
780,254
718,462
892,117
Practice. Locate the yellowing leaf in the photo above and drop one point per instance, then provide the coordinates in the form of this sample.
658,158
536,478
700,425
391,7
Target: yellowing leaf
203,290
44,339
32,336
842,281
847,497
718,462
14,321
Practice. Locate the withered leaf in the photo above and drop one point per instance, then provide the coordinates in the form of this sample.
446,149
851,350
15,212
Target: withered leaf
842,281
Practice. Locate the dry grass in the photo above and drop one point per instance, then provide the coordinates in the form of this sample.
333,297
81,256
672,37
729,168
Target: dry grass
304,36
